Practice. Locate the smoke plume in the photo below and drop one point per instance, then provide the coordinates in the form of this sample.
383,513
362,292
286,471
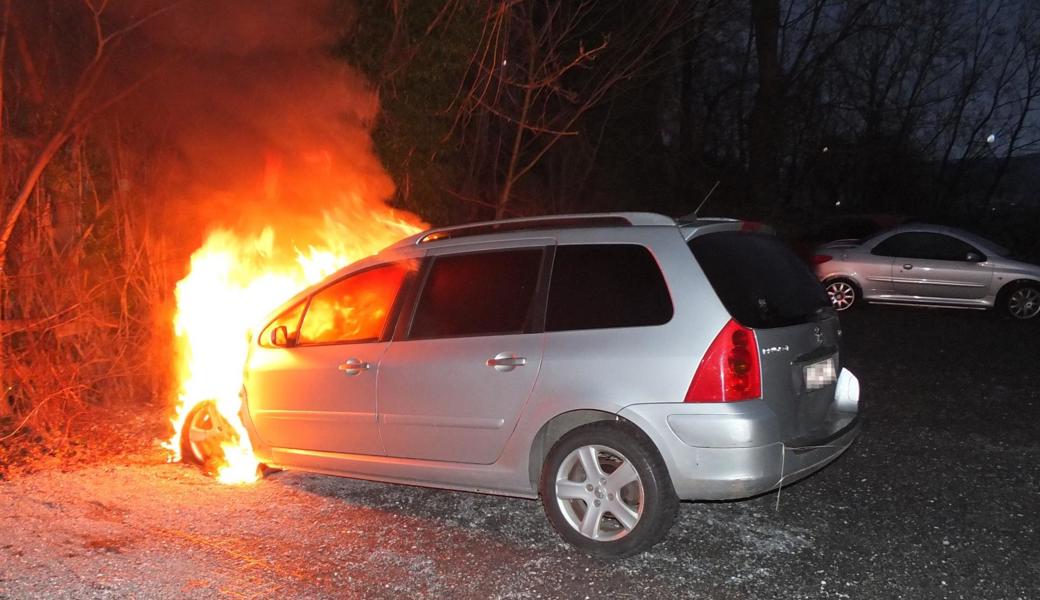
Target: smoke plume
255,122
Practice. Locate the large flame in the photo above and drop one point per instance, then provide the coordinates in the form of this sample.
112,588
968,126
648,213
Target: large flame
234,281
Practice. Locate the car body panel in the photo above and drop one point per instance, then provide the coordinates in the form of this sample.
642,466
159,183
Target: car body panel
954,282
301,399
785,354
456,408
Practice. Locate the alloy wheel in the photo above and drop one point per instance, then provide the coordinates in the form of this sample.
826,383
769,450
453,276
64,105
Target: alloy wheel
842,294
1024,303
599,492
207,430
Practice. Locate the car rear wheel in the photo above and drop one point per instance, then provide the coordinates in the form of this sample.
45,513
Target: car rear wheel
606,490
843,293
1023,302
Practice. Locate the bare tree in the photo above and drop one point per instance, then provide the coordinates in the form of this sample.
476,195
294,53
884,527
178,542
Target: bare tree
542,66
76,44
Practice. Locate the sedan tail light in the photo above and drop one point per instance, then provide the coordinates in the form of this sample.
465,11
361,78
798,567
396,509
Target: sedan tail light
819,259
729,371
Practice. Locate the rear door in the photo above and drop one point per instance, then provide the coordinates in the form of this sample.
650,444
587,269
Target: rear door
764,286
452,386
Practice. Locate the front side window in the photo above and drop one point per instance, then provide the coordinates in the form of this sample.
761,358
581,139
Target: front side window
924,245
478,294
354,309
600,286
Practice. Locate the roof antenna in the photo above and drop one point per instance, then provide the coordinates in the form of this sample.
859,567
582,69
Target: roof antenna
706,196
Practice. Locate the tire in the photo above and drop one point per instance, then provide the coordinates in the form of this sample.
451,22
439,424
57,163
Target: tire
843,293
634,509
202,435
1022,301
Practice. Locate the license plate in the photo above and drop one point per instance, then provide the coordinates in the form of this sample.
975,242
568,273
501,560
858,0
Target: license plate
820,374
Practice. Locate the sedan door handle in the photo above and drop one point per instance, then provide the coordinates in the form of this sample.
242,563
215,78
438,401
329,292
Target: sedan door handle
353,366
504,361
908,266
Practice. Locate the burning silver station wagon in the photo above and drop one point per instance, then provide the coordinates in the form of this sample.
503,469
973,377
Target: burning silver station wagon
611,364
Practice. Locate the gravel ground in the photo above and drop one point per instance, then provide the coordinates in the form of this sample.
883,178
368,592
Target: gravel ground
938,499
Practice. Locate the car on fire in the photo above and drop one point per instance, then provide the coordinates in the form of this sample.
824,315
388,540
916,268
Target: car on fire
928,265
610,364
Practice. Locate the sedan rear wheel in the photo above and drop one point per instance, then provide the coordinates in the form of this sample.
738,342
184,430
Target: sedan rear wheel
606,490
1024,302
843,294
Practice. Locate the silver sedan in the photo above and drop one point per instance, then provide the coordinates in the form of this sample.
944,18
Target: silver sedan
928,265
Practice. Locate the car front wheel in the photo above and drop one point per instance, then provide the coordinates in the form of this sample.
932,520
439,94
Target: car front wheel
606,490
843,293
203,435
1023,302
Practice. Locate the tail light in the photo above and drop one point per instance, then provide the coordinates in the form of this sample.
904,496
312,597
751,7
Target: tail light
729,371
819,259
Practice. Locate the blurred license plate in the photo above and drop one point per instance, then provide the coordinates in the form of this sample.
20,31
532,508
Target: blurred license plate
820,374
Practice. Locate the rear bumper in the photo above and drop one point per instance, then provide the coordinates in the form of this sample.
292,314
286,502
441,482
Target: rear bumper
730,451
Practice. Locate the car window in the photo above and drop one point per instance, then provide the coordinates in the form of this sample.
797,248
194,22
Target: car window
925,245
477,294
599,286
354,309
760,281
290,319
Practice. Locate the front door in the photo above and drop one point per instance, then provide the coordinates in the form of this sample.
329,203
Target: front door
942,268
452,388
316,390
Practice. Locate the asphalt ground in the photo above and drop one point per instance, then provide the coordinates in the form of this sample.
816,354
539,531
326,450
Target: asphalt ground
938,498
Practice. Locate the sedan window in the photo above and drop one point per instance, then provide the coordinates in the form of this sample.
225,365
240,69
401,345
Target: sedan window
925,245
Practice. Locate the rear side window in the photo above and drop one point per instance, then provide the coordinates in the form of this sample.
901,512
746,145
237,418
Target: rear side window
606,285
760,281
478,294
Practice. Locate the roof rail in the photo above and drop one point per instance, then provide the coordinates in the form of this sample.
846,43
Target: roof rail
536,223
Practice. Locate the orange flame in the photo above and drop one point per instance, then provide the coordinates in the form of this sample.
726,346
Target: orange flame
234,281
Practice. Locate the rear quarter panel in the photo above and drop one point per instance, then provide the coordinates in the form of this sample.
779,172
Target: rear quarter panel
609,369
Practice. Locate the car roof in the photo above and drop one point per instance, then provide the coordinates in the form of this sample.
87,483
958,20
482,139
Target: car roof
535,224
689,227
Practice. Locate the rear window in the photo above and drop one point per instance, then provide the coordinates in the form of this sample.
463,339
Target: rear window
761,282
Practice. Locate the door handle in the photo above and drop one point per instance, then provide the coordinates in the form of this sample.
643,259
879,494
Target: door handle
353,366
504,361
908,266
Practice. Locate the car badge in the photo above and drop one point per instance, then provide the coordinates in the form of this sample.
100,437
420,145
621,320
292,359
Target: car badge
819,334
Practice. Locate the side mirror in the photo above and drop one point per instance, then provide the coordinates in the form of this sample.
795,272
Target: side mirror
974,257
280,337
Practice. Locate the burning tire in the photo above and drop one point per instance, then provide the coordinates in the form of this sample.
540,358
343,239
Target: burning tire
205,431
